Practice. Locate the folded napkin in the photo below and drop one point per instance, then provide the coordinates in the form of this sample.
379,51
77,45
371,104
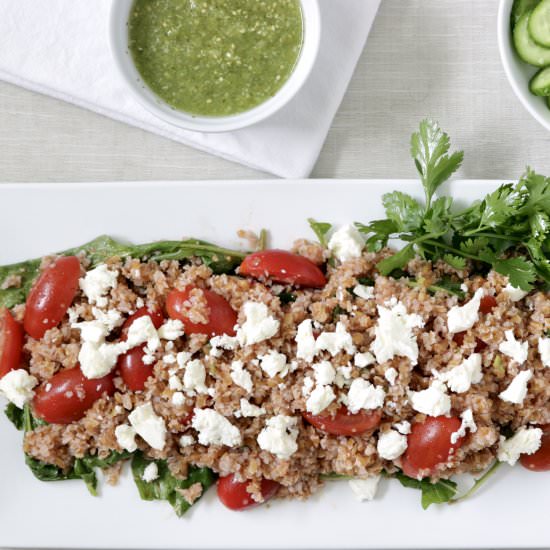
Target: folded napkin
61,48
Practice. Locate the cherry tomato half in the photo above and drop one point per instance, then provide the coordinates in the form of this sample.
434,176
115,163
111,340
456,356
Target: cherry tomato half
344,422
11,342
429,443
234,495
51,296
283,267
133,370
222,318
487,304
67,395
539,461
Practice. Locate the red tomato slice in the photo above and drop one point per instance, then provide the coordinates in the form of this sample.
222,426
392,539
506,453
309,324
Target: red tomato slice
222,317
234,495
487,304
11,342
67,395
539,461
344,422
281,266
51,296
429,442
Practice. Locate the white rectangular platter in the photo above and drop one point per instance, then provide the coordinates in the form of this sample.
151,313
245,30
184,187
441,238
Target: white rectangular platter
511,511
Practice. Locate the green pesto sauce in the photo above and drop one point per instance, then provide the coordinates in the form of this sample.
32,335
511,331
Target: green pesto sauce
215,57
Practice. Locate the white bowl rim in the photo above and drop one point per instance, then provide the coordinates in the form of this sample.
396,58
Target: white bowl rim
507,53
155,105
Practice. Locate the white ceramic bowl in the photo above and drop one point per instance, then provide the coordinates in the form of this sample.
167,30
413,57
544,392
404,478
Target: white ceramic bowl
518,72
119,45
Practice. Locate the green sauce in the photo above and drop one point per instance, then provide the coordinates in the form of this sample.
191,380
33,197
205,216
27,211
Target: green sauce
215,57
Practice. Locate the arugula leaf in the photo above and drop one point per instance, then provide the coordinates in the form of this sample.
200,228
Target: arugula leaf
432,493
220,260
166,486
320,229
15,416
429,148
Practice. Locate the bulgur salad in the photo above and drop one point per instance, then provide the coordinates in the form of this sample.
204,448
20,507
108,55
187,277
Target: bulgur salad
271,372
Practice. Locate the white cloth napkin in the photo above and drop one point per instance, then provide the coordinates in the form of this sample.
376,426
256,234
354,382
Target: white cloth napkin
61,48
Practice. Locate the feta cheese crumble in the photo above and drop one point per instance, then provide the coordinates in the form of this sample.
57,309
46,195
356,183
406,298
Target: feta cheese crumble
143,331
403,427
394,333
319,399
220,343
391,375
186,440
363,291
365,489
126,437
249,410
150,427
460,318
363,360
151,473
279,436
363,395
515,294
171,330
391,445
98,360
468,423
460,378
335,342
308,386
178,399
17,386
525,441
274,364
305,341
324,373
194,377
544,351
513,348
346,243
517,390
259,325
240,376
97,283
433,401
215,429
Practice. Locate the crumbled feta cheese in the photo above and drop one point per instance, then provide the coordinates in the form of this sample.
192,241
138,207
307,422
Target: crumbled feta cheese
279,436
169,359
365,292
394,333
460,378
240,376
259,325
98,360
319,399
148,358
215,429
111,319
92,331
248,410
324,373
195,376
126,437
97,283
363,360
515,294
178,399
335,342
462,318
175,383
186,440
150,473
171,330
391,375
274,364
365,489
544,351
391,445
305,341
403,427
346,243
363,395
343,375
220,343
73,315
525,441
517,390
308,386
140,302
468,423
142,331
18,387
182,358
150,427
433,401
513,348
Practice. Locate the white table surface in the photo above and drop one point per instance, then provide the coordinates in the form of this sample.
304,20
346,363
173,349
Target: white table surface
423,57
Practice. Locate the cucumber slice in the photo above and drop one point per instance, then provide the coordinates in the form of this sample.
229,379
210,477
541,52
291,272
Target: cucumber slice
521,7
539,24
527,49
540,83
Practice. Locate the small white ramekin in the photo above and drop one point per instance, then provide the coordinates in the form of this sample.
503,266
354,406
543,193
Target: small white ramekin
120,12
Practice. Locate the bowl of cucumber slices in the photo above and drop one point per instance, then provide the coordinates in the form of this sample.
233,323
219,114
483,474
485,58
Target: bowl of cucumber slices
524,43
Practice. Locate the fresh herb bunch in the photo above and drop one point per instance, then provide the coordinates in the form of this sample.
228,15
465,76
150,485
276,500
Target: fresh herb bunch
508,231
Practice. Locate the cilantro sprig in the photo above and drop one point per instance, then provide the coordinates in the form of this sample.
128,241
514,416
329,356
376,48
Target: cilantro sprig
508,231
